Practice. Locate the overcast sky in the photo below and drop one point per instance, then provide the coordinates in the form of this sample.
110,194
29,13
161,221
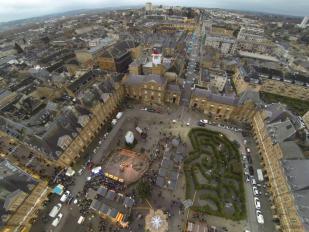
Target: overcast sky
18,9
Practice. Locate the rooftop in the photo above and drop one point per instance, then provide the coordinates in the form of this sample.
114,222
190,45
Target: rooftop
297,172
14,184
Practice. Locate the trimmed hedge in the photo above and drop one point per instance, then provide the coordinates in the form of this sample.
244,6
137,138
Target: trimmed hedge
225,166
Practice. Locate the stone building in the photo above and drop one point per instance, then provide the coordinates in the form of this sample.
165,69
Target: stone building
284,167
118,57
151,89
101,109
222,107
244,80
21,197
285,89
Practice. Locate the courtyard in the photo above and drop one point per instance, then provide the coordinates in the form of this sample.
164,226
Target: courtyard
171,152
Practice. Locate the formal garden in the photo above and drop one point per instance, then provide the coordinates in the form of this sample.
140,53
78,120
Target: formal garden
214,176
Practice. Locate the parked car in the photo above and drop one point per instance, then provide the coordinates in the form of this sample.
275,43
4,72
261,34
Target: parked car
251,171
255,190
205,121
201,124
81,219
151,110
259,217
253,181
65,196
57,220
55,210
247,178
249,159
257,203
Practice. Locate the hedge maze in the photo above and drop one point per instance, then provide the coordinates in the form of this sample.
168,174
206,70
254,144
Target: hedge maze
213,170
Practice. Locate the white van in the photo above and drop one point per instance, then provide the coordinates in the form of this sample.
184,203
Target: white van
65,196
80,220
55,210
119,115
57,220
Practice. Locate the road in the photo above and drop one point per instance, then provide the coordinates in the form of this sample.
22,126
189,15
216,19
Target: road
192,72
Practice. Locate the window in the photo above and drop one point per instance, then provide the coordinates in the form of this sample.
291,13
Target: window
145,92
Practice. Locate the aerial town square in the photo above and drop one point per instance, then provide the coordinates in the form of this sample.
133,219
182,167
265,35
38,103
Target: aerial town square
154,118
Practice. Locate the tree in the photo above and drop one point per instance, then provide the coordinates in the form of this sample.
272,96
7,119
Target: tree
143,190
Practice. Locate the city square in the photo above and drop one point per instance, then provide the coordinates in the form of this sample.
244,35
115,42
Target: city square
154,118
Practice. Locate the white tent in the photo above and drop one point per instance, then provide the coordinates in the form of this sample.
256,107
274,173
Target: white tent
129,137
70,172
96,170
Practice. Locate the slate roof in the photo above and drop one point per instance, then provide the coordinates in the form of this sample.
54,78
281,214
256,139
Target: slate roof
173,88
133,80
297,172
228,100
291,150
13,181
119,49
281,131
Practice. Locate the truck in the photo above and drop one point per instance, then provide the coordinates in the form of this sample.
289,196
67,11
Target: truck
55,210
140,131
260,175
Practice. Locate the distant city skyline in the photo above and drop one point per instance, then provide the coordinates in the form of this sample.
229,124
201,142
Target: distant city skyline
21,9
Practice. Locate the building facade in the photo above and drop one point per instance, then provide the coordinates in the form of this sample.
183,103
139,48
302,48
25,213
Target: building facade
221,107
273,158
23,197
101,112
285,89
151,89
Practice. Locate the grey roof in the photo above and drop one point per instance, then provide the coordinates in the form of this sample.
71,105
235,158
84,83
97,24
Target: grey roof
162,172
166,163
160,181
102,191
95,204
113,213
111,195
172,184
119,49
104,208
128,202
143,79
13,181
174,175
281,131
173,88
178,158
10,197
228,100
291,150
297,172
250,95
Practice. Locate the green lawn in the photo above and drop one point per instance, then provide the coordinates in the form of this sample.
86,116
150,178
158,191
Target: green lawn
296,105
213,170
